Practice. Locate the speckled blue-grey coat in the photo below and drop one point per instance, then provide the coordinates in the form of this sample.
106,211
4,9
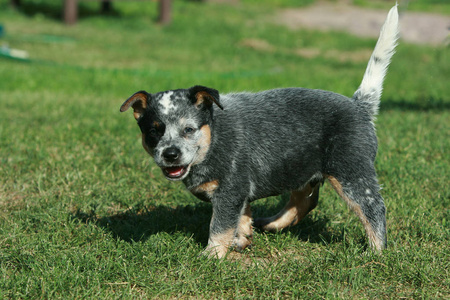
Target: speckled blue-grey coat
232,149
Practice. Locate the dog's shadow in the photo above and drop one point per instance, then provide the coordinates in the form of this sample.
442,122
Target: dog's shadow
138,225
193,220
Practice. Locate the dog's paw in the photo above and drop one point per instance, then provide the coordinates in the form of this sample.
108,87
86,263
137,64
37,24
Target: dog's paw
241,242
215,251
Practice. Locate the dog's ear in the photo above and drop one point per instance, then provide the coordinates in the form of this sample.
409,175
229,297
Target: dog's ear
139,103
204,95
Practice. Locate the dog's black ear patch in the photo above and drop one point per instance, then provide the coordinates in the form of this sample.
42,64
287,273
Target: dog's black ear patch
139,102
204,95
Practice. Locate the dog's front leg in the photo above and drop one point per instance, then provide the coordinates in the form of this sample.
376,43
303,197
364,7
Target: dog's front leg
244,232
225,228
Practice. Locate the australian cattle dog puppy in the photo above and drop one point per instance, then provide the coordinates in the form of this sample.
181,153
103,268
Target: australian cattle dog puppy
232,149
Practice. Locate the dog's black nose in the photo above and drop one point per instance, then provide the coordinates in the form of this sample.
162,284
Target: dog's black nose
171,154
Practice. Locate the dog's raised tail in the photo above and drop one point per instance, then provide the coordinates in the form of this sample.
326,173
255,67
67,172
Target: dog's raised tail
369,92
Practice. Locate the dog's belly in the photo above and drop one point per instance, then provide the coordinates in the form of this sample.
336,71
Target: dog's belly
282,179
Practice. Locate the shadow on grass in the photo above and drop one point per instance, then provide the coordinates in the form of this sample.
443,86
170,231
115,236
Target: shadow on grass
431,104
55,10
193,220
139,225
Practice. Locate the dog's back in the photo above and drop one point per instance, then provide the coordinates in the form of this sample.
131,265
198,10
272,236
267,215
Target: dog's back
284,137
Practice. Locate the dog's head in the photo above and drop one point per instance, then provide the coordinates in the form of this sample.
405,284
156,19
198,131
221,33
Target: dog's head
175,126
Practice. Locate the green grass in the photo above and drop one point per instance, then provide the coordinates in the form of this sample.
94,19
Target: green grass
85,213
431,6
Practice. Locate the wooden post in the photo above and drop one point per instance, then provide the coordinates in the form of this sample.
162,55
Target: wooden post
70,11
164,11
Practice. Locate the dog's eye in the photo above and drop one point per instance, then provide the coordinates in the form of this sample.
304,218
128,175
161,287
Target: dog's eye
188,130
152,132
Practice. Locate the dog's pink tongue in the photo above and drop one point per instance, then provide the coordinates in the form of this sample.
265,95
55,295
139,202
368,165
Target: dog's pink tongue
175,171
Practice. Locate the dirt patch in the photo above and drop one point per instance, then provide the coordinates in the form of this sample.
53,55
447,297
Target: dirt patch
360,55
11,201
415,27
258,44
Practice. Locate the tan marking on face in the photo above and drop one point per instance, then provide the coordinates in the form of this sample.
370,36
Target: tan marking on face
207,187
299,205
374,241
203,143
156,124
245,230
219,243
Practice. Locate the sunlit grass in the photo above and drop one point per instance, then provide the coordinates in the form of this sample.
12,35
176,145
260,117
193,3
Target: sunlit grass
85,213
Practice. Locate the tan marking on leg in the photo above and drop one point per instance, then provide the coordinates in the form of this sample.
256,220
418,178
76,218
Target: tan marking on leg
203,143
299,205
219,243
245,230
374,241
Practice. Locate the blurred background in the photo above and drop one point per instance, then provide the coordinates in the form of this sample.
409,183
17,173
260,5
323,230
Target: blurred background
116,47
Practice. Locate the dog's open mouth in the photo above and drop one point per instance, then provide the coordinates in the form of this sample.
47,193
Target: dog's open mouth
175,173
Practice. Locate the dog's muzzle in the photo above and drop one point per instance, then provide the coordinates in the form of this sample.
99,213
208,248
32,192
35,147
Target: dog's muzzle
172,155
175,173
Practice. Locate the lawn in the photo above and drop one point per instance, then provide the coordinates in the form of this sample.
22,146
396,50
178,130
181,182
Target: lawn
85,213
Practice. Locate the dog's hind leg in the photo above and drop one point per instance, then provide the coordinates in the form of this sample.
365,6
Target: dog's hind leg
363,197
299,205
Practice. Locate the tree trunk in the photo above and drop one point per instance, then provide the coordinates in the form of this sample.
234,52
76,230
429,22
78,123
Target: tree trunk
164,11
70,11
106,6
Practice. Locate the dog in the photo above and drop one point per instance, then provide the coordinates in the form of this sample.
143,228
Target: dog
231,149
